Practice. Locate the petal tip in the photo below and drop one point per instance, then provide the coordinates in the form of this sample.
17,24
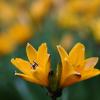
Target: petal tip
12,60
81,45
96,59
58,46
17,74
28,44
44,44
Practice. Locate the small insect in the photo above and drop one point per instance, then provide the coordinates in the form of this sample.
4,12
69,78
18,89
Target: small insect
34,65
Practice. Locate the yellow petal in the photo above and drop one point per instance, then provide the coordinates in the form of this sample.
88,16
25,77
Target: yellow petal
40,76
67,70
47,66
89,74
28,78
42,72
63,53
73,78
90,63
46,71
22,65
87,64
76,55
42,55
31,53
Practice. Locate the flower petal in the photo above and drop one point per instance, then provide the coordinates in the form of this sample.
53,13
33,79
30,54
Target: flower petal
47,66
31,53
68,73
77,54
89,74
87,64
90,63
42,55
67,70
73,78
22,65
28,78
40,76
63,53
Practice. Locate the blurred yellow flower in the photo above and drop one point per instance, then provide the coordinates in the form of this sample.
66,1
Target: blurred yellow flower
7,13
67,41
6,44
75,67
40,8
20,33
35,70
14,36
78,13
96,30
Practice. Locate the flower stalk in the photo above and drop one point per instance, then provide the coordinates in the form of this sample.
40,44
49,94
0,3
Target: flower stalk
53,98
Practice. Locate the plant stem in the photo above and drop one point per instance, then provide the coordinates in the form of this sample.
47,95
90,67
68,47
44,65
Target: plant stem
53,98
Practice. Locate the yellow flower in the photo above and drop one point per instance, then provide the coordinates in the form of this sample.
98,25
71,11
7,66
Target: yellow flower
35,70
14,36
7,45
20,33
75,67
80,13
96,30
7,13
67,40
40,8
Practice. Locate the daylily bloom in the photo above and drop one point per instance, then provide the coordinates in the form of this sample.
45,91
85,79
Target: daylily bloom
96,30
75,67
67,40
24,32
7,13
40,8
37,69
80,13
12,40
7,45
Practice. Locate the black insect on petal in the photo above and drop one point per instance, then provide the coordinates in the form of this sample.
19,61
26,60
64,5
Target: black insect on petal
34,65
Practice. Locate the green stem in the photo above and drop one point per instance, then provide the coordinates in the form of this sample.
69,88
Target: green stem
53,98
